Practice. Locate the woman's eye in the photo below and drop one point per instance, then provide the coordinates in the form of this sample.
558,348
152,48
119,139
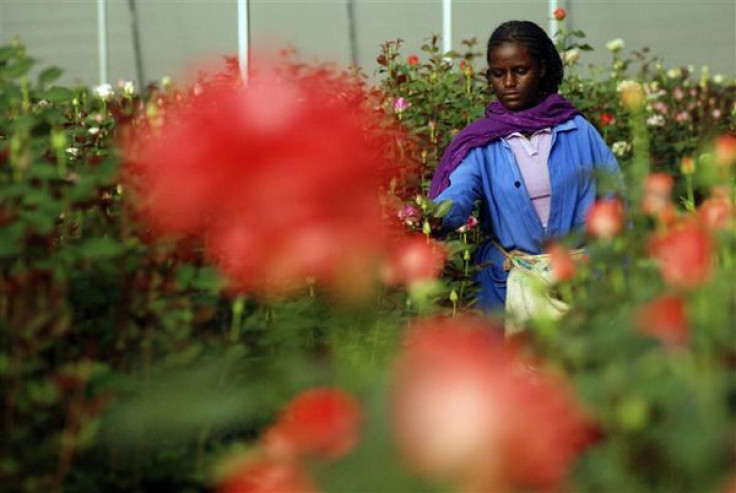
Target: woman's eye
521,71
496,73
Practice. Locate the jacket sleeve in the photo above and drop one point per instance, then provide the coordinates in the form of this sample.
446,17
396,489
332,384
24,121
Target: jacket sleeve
465,188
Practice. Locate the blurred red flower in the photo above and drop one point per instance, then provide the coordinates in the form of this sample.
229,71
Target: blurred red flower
607,119
605,218
412,60
562,264
684,254
414,259
666,319
559,13
656,199
467,409
716,213
320,422
280,179
725,150
266,476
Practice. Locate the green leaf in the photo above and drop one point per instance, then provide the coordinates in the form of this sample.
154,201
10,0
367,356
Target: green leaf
8,52
443,208
17,69
84,189
39,222
11,239
101,248
49,75
24,123
208,279
57,95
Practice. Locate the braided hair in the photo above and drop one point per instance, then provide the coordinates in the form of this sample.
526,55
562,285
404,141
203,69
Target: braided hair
538,45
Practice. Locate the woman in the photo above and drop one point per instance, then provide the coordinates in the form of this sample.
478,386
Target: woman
532,161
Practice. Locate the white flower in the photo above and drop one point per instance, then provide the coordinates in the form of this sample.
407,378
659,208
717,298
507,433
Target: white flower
44,103
94,130
620,148
653,91
166,82
569,57
615,45
674,73
128,88
72,151
655,121
104,91
719,79
628,84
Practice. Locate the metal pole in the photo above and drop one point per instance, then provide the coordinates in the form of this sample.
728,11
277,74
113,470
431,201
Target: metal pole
352,33
136,46
552,29
446,25
243,39
102,41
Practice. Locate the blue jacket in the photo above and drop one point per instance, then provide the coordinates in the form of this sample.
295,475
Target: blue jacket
578,156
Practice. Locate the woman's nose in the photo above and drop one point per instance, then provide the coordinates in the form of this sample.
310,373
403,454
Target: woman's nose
509,80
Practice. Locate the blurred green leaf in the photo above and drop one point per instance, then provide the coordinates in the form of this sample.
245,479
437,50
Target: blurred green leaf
101,248
8,52
57,95
17,69
49,75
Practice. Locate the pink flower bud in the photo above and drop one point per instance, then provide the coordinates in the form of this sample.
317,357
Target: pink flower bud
401,104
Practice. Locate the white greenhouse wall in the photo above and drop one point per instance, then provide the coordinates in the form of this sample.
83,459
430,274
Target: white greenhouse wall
177,34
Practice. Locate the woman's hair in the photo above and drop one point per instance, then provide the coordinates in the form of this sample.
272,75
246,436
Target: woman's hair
537,44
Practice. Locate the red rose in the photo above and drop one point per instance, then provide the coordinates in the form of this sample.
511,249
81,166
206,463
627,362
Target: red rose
605,218
607,119
265,476
262,175
412,60
320,422
415,259
716,213
684,254
562,264
559,13
725,150
466,68
656,197
467,408
666,319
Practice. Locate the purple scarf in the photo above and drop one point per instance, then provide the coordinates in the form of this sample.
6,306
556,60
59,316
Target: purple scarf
499,122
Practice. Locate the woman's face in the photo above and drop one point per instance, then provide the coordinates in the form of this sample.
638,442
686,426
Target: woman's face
515,77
